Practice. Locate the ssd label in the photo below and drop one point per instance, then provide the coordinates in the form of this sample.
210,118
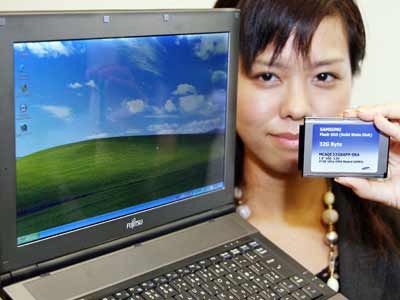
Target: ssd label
345,148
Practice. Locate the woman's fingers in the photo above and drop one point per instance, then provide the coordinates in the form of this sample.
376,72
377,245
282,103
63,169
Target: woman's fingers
385,117
374,190
368,112
391,129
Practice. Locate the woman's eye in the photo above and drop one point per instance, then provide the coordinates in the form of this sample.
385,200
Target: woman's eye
268,77
325,77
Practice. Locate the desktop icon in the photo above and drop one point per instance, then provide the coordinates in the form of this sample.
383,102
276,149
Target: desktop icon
23,108
24,127
24,88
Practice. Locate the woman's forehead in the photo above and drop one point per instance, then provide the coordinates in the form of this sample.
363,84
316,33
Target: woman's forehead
329,43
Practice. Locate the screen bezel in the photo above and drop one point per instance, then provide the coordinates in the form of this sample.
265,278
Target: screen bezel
91,25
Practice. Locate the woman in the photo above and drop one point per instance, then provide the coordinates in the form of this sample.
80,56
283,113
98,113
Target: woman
298,59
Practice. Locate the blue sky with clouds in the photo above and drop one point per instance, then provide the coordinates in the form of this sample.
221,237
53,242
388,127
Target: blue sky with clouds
72,91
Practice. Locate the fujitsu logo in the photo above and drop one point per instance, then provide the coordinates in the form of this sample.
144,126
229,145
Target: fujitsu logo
134,223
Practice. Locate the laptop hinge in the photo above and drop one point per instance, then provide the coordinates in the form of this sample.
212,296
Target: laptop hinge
60,262
5,278
18,275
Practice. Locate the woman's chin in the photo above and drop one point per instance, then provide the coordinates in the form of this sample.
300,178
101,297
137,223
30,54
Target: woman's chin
287,165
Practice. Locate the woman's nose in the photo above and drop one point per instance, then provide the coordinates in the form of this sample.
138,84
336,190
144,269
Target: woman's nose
296,104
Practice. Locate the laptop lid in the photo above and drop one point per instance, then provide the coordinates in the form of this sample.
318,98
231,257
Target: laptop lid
112,123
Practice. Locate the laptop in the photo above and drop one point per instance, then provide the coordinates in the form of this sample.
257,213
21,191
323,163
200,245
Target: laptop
117,161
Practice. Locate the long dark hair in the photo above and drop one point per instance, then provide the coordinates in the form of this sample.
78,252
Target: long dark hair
272,22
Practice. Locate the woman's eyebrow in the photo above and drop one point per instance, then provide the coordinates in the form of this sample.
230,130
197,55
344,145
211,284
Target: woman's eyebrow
326,62
313,64
267,63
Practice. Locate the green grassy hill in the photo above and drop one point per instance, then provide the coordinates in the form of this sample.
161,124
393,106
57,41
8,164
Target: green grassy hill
76,181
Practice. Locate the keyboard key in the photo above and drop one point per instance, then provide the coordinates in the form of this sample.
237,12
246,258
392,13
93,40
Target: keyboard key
171,276
253,244
147,285
239,292
184,296
211,288
151,295
224,283
262,252
135,290
241,261
194,267
251,256
229,266
135,297
272,276
287,297
289,285
214,259
236,278
258,269
246,273
244,248
166,290
251,287
269,295
198,293
122,295
273,264
300,295
235,252
204,263
226,296
280,290
312,292
182,271
225,256
263,283
255,297
206,275
160,280
217,270
180,285
193,279
298,280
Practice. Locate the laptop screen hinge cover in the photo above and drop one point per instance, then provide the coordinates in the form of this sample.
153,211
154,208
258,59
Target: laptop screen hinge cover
223,210
24,273
5,278
17,275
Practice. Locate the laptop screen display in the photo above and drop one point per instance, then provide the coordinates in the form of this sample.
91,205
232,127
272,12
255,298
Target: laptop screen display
109,127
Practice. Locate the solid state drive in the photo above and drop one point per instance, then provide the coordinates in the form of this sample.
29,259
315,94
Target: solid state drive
336,147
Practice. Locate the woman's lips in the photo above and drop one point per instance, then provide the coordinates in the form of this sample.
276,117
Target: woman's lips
287,140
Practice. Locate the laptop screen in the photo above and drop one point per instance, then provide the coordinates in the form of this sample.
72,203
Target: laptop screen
109,127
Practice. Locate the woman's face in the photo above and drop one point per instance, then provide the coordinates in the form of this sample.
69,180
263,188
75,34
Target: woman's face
273,100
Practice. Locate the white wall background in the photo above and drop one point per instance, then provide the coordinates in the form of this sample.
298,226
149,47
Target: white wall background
379,81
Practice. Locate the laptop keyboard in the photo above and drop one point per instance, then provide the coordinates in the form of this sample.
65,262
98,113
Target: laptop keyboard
240,270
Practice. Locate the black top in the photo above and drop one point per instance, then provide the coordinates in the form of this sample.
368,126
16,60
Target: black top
364,274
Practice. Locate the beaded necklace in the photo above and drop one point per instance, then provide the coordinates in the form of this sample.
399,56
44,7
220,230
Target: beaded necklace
329,217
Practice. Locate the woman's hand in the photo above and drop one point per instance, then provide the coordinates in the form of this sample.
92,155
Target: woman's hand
387,119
